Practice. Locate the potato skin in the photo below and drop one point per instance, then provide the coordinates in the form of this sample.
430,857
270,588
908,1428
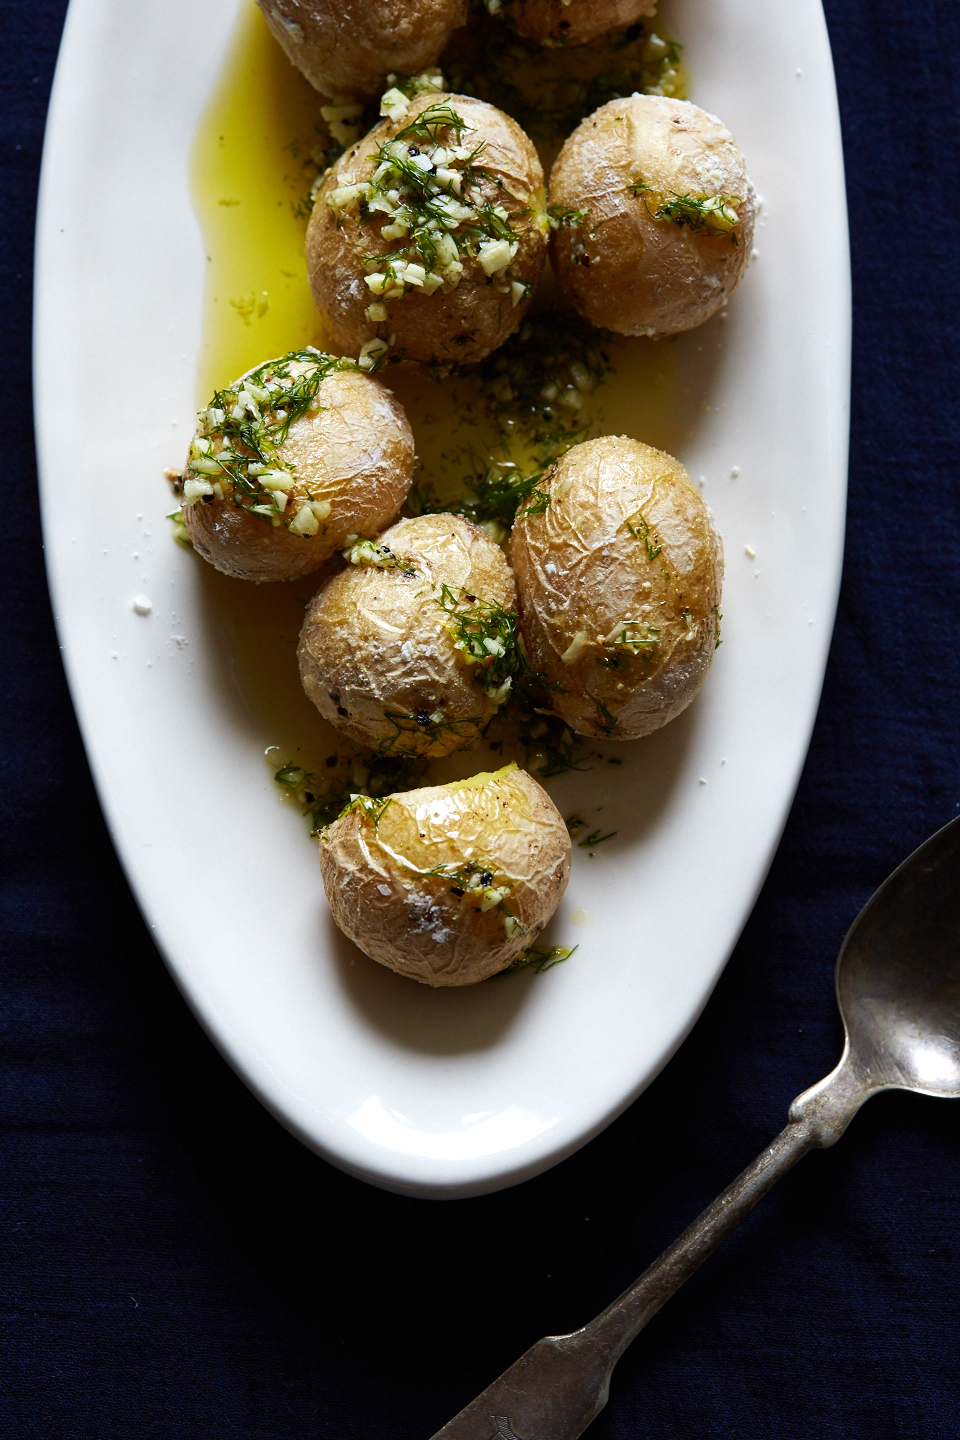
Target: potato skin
455,326
346,47
580,571
356,452
376,875
623,269
375,652
572,22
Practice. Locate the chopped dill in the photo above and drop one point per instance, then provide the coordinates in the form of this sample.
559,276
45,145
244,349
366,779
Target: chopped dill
638,527
487,635
607,723
437,207
324,797
476,880
717,618
630,638
411,731
596,838
497,497
235,452
539,958
369,808
563,218
540,378
551,747
716,214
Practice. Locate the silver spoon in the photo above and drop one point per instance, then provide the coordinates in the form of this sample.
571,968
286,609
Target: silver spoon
898,988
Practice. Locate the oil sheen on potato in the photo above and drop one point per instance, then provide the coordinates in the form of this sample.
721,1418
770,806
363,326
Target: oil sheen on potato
257,151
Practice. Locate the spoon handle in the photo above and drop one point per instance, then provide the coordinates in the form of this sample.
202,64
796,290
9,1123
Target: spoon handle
561,1384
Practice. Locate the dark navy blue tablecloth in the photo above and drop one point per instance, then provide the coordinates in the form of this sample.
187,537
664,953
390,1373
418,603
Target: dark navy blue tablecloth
175,1264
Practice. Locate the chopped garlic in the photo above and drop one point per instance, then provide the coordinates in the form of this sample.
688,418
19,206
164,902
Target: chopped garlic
576,647
394,104
304,523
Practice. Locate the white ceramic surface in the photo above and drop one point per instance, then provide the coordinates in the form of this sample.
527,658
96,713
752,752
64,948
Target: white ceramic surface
430,1093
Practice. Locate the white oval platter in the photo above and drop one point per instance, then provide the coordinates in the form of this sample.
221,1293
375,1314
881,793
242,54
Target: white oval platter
430,1093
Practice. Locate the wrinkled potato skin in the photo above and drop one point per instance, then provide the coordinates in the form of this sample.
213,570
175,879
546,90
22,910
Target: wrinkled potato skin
622,269
462,325
360,621
419,927
551,22
346,47
599,578
356,452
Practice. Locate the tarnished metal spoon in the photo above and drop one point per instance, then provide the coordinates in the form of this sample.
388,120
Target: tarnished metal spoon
898,988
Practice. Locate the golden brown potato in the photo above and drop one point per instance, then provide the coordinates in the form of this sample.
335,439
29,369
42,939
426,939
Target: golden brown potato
449,883
449,202
346,47
656,214
572,22
289,463
619,587
394,649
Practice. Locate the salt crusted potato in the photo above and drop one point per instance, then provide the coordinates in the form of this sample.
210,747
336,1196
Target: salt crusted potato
346,47
449,883
288,463
428,236
656,214
619,587
394,649
572,22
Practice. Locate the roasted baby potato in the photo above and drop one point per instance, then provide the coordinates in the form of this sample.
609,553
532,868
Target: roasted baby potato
572,22
618,581
412,648
427,237
346,47
298,456
450,883
654,214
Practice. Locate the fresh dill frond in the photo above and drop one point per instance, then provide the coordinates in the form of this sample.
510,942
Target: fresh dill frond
540,379
639,528
502,497
596,838
323,797
367,807
236,451
715,214
487,634
563,218
539,958
478,882
426,725
607,722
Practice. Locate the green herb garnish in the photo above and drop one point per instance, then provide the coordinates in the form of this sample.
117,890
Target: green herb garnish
236,451
538,958
640,530
487,634
715,214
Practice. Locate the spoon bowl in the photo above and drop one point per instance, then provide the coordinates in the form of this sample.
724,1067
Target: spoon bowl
898,975
898,988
